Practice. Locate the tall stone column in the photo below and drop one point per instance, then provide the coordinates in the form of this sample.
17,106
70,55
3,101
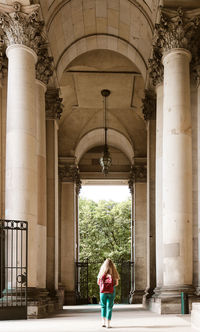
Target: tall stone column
177,161
3,82
71,183
43,72
195,105
138,187
53,112
20,26
149,111
156,75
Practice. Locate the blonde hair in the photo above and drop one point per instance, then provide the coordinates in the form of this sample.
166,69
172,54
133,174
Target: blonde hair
108,267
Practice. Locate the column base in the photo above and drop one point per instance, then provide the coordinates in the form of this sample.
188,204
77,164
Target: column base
69,297
167,300
137,296
41,302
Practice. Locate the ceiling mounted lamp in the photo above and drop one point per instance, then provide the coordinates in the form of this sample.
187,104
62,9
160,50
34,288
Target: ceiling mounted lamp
105,160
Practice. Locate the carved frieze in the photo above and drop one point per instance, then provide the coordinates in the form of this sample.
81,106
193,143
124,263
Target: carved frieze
175,30
44,68
70,173
21,25
54,106
138,173
149,105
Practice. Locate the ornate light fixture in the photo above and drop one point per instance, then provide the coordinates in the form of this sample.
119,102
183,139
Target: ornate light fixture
105,160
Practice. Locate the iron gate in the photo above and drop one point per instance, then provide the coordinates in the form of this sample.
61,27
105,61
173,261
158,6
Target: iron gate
87,290
13,269
82,282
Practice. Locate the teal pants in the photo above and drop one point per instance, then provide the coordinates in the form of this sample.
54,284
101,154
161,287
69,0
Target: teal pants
107,302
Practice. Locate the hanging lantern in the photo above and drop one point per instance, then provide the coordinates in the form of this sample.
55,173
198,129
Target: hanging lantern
105,160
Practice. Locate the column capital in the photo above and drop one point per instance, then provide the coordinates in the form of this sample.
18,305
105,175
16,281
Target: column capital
70,173
54,106
21,25
44,68
176,30
138,173
149,105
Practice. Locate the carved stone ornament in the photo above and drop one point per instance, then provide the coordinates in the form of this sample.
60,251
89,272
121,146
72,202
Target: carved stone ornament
3,58
138,173
196,73
44,68
21,25
70,173
175,30
156,67
54,106
149,105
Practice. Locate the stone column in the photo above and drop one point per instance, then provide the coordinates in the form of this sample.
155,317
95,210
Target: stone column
138,187
70,188
195,107
177,161
149,111
3,81
177,168
43,72
21,167
159,165
156,75
53,112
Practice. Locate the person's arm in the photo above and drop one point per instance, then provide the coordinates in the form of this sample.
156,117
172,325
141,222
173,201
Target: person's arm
116,282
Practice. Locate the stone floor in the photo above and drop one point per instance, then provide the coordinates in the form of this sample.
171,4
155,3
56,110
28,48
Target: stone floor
130,318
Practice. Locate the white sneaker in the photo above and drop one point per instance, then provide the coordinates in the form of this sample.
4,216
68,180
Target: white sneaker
108,324
103,322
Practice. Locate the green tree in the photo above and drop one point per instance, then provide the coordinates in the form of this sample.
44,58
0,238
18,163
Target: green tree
105,232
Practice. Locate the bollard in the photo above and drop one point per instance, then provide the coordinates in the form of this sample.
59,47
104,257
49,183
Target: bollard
184,304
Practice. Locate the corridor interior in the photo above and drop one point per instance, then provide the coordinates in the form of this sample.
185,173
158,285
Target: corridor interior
129,318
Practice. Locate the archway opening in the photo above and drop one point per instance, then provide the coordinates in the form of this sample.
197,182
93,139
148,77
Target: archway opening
104,232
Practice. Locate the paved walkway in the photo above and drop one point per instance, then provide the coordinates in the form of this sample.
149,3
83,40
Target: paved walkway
126,318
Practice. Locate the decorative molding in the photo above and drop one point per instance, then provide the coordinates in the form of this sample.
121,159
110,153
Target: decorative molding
175,30
21,25
156,67
138,173
44,68
149,105
70,173
54,106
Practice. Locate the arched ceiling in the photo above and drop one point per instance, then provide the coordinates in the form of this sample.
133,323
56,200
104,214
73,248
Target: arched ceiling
81,86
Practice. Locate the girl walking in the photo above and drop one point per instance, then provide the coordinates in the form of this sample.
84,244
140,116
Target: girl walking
107,280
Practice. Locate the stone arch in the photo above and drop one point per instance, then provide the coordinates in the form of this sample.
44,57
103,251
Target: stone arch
96,137
101,41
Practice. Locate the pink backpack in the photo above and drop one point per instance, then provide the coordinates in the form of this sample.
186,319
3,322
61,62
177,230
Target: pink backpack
106,284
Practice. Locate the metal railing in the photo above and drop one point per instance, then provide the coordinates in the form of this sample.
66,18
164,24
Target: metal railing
13,269
87,290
